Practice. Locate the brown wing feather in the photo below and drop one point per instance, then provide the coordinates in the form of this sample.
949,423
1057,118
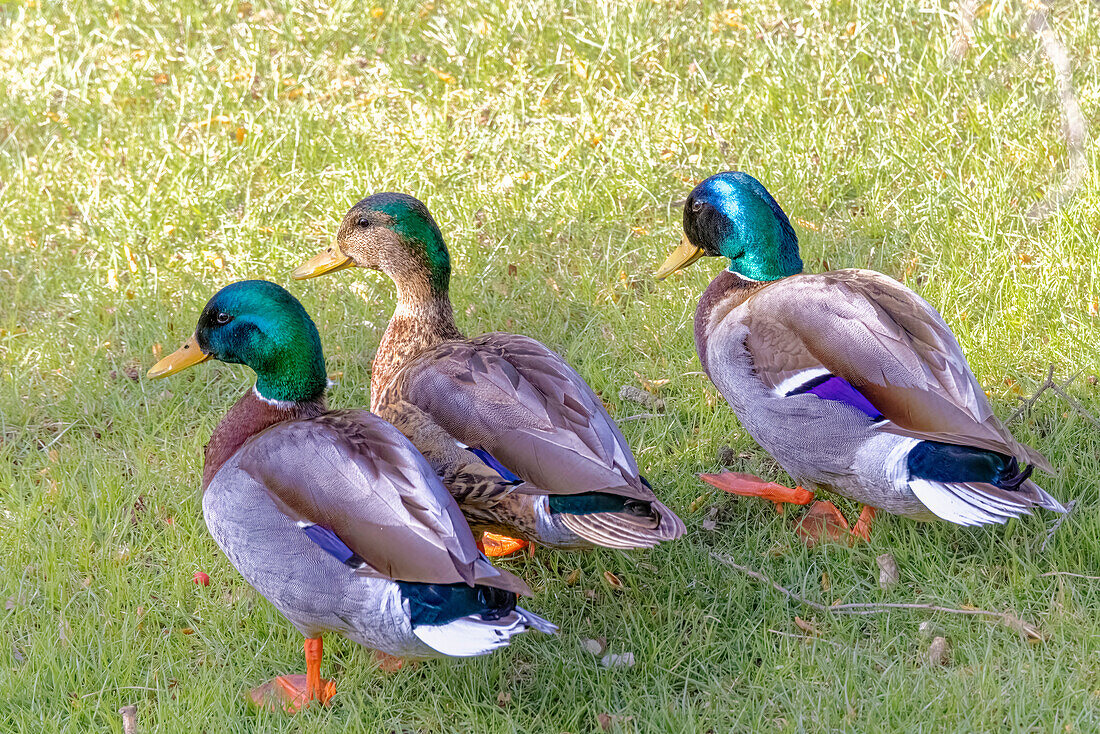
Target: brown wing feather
889,344
511,396
356,475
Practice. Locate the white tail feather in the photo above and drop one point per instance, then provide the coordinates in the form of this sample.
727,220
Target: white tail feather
470,636
960,504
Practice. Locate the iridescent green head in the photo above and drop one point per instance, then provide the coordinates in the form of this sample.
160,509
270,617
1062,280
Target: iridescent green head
731,214
258,324
393,233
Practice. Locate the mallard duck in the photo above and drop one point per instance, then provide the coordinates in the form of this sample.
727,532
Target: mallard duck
848,378
333,516
519,438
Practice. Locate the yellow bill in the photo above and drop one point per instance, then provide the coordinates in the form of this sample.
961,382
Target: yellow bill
326,261
186,356
685,254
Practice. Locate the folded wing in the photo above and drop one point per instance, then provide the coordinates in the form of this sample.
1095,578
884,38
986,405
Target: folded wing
889,344
511,396
356,475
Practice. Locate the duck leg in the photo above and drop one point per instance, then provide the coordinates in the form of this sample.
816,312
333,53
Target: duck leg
495,546
389,663
292,693
822,522
748,485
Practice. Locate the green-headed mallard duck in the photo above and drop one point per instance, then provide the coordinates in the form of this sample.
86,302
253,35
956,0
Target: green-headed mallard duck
521,441
333,515
848,378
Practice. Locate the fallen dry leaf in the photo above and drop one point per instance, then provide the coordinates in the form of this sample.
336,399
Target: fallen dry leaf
939,652
887,571
595,647
650,386
622,660
805,626
1030,631
612,580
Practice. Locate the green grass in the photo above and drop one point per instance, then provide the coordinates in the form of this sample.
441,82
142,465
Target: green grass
150,153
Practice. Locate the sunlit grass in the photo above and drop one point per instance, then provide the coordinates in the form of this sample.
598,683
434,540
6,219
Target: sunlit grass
152,153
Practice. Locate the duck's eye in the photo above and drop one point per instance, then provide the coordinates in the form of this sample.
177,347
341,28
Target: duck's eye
363,222
696,206
223,317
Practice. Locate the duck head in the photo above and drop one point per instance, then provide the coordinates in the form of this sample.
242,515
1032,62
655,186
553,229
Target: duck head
261,325
732,215
390,232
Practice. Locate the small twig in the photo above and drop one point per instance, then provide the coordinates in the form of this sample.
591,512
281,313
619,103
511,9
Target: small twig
640,416
857,608
1074,119
1057,524
723,146
1029,403
1059,389
1071,573
808,638
1075,404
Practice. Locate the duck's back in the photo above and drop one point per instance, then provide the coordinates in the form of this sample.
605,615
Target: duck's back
522,403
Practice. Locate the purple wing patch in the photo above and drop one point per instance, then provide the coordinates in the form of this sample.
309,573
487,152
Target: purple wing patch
329,542
831,387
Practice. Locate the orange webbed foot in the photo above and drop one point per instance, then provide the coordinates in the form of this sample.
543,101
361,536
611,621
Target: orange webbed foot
862,529
497,546
825,523
290,693
748,485
390,663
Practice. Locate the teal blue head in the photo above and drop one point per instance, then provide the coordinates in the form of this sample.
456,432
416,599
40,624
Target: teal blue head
731,214
394,233
258,324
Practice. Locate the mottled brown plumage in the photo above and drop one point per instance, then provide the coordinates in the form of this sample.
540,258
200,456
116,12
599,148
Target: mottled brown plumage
505,394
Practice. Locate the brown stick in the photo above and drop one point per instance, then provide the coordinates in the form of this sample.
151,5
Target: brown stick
1071,573
1059,389
857,608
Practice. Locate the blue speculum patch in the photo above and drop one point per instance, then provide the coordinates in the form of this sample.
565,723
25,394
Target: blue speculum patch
330,543
493,464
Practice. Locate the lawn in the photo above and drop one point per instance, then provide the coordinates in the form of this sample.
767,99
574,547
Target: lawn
151,153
